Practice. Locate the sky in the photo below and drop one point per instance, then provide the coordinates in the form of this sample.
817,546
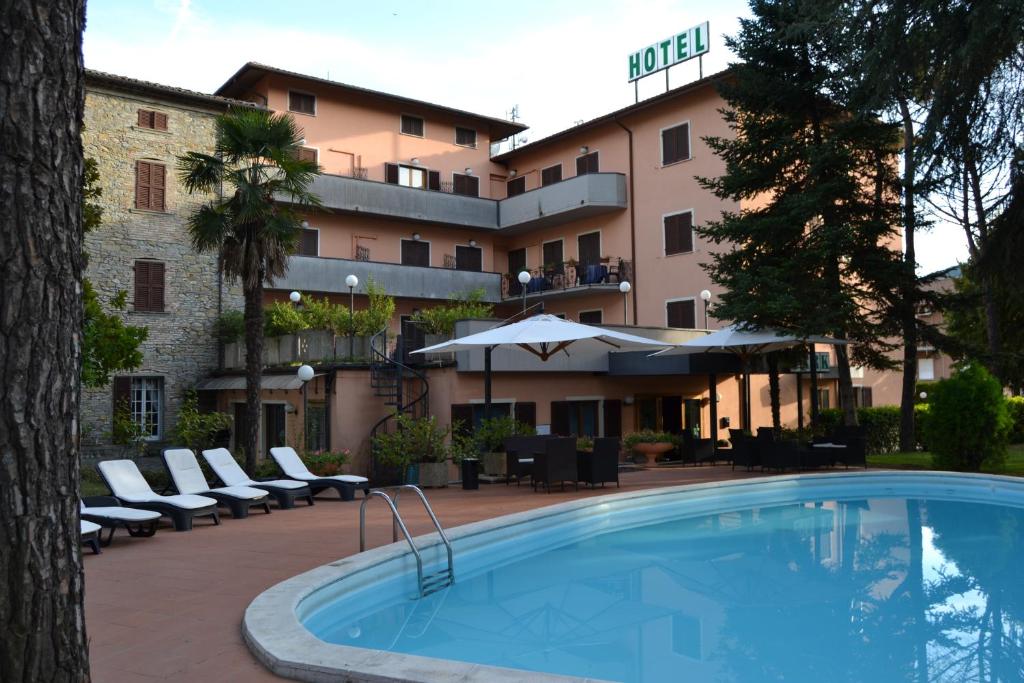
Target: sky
558,61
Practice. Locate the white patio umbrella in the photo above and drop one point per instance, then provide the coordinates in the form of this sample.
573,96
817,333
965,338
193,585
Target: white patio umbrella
544,336
745,344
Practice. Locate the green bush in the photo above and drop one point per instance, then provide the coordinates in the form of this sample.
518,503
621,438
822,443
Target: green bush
491,434
281,318
321,314
231,327
828,420
378,314
881,428
920,425
442,319
198,431
1016,406
968,421
415,439
648,436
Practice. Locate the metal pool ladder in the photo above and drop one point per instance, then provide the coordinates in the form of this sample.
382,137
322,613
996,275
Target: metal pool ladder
430,583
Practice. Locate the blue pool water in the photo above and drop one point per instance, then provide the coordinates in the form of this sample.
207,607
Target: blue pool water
865,589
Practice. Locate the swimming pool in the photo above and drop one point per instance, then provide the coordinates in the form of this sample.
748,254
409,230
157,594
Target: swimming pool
873,576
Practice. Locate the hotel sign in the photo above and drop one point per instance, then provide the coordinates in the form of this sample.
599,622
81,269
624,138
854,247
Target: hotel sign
663,54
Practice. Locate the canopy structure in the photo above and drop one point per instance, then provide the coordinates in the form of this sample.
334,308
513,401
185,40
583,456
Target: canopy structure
544,336
745,344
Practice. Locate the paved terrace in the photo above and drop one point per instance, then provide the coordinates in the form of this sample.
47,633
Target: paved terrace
170,606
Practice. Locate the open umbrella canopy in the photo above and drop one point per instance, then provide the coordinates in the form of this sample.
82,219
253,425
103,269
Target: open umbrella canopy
544,336
740,342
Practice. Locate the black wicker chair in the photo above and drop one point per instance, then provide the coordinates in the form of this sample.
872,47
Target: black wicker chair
602,465
744,453
556,464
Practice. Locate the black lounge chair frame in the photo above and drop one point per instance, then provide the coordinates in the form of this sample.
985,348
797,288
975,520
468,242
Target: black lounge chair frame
239,506
92,539
285,498
346,489
134,529
181,518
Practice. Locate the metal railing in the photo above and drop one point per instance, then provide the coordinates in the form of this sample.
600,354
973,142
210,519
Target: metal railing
568,275
429,583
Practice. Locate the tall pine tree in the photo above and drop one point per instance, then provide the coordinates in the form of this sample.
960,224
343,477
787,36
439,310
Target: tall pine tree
812,249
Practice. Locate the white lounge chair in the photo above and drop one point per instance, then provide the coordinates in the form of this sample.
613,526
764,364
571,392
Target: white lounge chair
91,535
284,491
110,514
126,482
188,478
292,466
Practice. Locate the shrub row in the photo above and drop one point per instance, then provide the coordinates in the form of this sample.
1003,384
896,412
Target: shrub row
881,426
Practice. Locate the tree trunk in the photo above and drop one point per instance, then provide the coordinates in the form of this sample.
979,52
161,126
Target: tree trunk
253,371
41,91
773,390
845,386
908,295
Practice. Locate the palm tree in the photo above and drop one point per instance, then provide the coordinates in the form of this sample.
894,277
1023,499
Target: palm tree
253,223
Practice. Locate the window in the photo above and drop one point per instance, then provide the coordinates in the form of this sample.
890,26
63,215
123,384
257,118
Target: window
552,255
862,397
591,317
681,314
925,369
468,258
675,144
316,426
309,242
412,125
149,286
516,186
586,164
152,119
516,265
302,103
466,137
141,400
150,186
823,403
307,154
551,174
415,253
678,233
579,418
468,185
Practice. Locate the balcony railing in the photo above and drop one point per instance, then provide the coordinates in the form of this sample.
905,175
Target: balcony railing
569,276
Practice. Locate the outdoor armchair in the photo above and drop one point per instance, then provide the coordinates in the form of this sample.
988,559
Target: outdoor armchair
126,482
188,477
743,451
602,465
107,512
292,466
556,463
284,491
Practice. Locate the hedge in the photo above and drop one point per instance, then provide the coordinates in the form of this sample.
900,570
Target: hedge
881,426
1016,406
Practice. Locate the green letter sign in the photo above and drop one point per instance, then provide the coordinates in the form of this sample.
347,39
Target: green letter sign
686,45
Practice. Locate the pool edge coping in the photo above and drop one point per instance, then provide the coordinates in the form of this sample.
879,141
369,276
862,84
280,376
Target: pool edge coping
274,634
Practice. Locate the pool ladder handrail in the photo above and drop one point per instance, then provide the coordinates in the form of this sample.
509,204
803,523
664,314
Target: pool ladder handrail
433,582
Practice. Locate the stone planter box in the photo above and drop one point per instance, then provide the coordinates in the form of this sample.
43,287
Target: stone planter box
234,355
430,340
360,347
315,345
494,464
281,350
433,474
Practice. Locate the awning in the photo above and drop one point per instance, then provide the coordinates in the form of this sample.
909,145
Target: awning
285,382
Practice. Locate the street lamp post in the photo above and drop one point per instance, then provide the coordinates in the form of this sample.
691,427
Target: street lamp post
624,287
705,294
524,278
351,281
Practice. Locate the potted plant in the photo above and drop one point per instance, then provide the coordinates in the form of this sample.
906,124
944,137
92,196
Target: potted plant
649,444
464,452
326,463
417,447
490,437
585,444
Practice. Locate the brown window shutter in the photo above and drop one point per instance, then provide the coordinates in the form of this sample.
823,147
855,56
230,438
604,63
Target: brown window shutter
156,286
122,392
141,300
310,243
581,166
433,180
159,121
307,154
391,173
612,417
671,236
668,146
683,141
526,412
462,418
685,230
560,418
472,186
516,186
157,192
143,172
144,118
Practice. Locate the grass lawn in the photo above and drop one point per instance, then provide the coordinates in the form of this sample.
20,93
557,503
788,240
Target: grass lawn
923,461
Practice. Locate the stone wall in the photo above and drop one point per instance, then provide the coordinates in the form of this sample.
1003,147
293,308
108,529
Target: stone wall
181,347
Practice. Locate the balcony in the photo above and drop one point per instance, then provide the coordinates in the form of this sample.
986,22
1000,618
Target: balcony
564,201
354,195
568,200
568,279
316,274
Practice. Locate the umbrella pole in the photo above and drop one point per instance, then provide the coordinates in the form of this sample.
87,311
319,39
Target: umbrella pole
487,382
713,406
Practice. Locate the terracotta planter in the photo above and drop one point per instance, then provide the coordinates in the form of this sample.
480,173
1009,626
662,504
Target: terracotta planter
433,474
494,464
651,451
